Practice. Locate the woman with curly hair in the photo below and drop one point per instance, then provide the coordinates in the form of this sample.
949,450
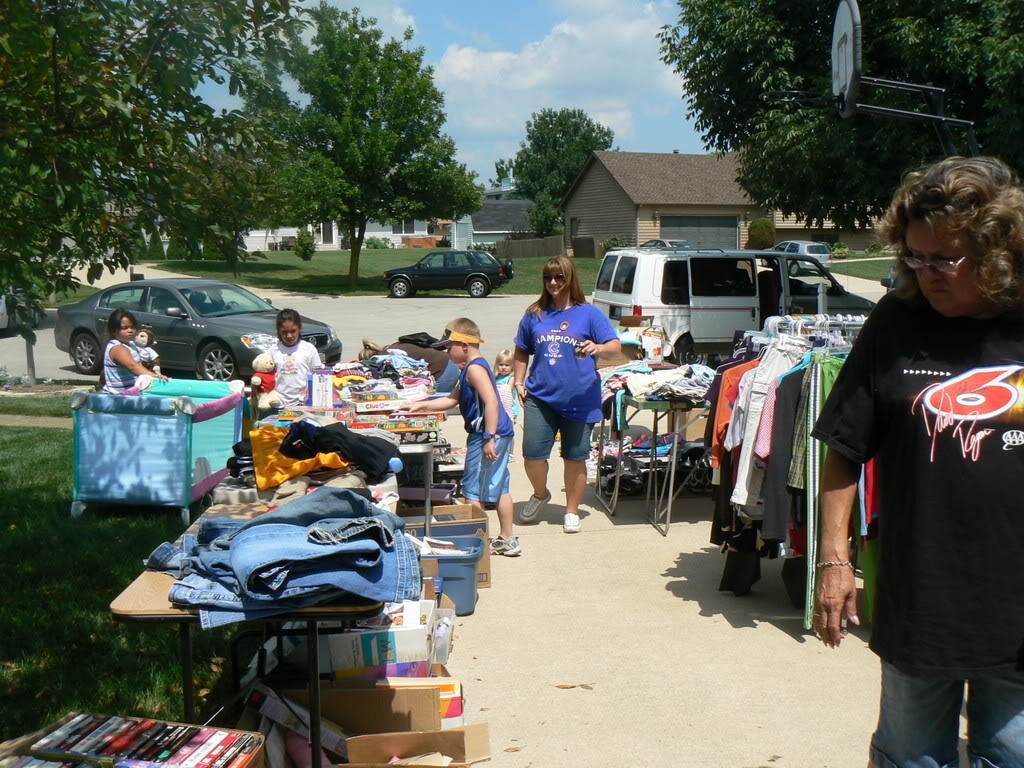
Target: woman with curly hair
934,390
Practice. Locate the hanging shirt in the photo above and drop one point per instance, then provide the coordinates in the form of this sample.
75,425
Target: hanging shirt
940,402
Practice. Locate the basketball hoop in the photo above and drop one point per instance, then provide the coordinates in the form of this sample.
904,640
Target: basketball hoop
846,61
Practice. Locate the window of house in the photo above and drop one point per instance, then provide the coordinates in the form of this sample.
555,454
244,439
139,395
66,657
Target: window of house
675,283
623,282
407,227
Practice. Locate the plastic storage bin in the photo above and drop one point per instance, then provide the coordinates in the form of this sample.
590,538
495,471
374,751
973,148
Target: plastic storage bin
459,572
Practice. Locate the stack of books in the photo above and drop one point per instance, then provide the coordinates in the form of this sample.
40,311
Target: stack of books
128,742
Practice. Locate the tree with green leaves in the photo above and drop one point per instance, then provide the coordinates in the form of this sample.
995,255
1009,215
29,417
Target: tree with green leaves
102,133
367,143
736,58
556,146
503,169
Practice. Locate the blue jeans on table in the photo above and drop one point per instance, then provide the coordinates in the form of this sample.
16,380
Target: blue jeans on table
919,721
294,579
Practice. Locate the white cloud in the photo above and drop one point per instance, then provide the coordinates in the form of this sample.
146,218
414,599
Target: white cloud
602,56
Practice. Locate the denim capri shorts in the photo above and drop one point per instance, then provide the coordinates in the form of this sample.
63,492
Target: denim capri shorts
541,423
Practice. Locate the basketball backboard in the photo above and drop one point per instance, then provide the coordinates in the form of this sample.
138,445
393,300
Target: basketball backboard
846,63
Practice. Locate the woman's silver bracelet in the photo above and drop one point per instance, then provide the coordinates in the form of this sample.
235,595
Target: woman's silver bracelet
835,564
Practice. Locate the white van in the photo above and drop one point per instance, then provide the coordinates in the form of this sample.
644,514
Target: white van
702,298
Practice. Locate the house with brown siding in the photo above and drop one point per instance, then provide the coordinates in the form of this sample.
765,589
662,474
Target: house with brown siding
641,196
644,195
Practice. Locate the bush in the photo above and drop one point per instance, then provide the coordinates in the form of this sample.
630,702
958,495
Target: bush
875,248
488,247
615,241
376,242
155,251
304,245
760,234
175,250
840,250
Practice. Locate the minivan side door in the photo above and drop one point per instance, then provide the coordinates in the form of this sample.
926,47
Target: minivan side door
723,298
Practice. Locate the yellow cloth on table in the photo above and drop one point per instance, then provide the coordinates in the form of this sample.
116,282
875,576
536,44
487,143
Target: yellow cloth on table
273,468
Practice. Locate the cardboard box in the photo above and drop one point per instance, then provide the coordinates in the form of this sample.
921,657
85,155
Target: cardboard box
16,747
451,520
376,653
631,321
361,709
466,745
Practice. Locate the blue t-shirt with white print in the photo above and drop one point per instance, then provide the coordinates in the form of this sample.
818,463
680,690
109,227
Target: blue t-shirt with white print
558,378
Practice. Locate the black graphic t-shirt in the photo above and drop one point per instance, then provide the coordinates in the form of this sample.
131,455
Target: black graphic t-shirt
940,401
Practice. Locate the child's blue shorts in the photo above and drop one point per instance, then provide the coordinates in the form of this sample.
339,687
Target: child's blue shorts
485,480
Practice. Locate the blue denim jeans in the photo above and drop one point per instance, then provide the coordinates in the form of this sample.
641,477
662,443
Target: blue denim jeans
306,552
919,721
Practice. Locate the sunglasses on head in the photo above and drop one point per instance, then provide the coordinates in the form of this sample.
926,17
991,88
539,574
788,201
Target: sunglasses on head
560,277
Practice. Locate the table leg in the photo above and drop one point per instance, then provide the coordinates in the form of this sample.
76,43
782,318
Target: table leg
663,502
313,667
187,688
428,489
612,500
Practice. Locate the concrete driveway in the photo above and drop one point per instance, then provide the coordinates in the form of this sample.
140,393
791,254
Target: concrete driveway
353,317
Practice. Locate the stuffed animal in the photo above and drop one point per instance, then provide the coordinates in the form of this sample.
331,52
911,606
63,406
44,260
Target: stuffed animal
145,340
264,382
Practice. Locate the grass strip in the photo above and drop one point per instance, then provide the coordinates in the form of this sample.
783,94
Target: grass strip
59,647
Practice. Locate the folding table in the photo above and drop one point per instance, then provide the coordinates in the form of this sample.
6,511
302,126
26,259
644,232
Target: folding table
659,494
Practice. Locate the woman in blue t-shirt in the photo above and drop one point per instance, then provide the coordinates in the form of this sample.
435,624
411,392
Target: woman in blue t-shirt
562,393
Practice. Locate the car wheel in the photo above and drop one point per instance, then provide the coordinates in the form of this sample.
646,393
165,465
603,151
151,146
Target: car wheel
400,288
683,352
478,288
85,354
215,363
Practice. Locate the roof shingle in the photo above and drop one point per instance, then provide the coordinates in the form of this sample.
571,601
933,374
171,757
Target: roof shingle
659,178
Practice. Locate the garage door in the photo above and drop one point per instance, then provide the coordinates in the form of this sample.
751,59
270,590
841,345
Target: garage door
702,231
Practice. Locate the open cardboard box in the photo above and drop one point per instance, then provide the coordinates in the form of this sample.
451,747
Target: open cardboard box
451,520
466,745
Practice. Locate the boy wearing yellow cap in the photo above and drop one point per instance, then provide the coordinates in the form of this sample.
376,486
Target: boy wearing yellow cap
489,428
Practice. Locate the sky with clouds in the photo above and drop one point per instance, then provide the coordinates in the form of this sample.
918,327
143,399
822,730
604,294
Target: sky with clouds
499,61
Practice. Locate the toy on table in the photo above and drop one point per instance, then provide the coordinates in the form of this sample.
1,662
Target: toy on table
144,341
264,381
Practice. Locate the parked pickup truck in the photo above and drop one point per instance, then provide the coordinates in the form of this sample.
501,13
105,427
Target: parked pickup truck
703,297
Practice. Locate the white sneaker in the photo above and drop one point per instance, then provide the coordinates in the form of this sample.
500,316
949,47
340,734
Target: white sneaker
237,386
533,506
572,523
144,382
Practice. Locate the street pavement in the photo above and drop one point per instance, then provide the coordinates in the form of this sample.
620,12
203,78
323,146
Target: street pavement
353,318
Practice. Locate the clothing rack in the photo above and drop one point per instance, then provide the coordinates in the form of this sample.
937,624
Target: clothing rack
803,325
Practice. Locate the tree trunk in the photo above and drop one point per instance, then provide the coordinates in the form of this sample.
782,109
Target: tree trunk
357,234
30,360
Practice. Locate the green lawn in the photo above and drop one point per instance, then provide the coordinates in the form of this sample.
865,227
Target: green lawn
41,405
869,270
60,649
327,272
